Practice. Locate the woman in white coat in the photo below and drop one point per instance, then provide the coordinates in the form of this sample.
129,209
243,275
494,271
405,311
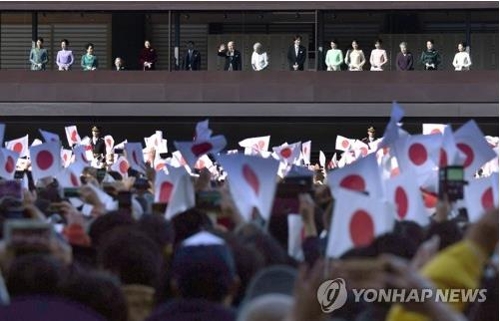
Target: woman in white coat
260,61
462,60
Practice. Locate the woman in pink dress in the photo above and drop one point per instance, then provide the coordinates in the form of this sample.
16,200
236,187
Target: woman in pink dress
378,57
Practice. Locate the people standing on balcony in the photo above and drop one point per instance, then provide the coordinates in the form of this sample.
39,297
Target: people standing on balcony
404,60
148,57
378,57
65,57
119,64
192,58
334,57
233,56
89,60
296,54
462,61
430,58
38,56
260,61
355,58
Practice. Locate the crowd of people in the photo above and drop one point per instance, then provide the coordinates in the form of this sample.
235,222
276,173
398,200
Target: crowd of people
134,243
354,58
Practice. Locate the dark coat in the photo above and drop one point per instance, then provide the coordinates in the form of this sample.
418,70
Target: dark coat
235,59
194,63
299,59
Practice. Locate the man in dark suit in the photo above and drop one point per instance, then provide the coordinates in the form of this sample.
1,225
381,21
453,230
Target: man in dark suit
296,54
371,136
192,58
233,56
98,144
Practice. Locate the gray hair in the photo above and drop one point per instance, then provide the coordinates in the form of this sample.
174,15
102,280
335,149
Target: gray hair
257,45
403,44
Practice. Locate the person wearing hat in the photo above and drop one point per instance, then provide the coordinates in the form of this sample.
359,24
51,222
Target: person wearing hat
371,136
98,145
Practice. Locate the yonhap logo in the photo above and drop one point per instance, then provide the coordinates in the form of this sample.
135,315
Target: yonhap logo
332,295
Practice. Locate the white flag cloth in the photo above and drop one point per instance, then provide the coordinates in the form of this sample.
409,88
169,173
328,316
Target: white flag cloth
69,177
322,159
48,136
191,151
392,130
109,142
306,152
120,145
202,132
255,145
8,161
295,232
480,196
361,176
287,153
343,143
430,129
19,145
357,220
449,153
72,135
470,140
135,157
45,160
360,149
182,196
252,182
402,191
121,166
164,183
418,154
154,140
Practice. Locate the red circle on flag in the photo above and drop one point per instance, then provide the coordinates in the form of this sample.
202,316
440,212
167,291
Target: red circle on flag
65,157
9,165
123,166
417,154
261,144
353,182
160,166
345,143
286,152
430,200
108,142
469,153
251,178
487,199
74,180
401,200
364,151
201,149
436,131
443,158
73,136
361,228
44,160
165,192
18,147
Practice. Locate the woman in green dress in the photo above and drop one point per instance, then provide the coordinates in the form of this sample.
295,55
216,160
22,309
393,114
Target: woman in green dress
334,57
89,60
38,56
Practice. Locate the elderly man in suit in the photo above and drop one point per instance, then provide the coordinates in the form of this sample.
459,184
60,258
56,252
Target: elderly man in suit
233,56
296,54
192,58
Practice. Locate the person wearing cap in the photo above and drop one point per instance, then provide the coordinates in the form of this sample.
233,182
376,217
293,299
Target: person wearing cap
371,136
98,145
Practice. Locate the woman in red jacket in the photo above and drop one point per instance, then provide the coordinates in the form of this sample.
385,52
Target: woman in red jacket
148,57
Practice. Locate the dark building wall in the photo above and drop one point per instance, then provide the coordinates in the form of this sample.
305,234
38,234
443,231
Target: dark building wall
128,33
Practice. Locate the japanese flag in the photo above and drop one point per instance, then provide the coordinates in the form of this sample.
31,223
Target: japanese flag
48,136
492,141
109,141
66,155
402,191
121,145
470,140
255,145
361,176
164,183
343,143
72,135
202,132
45,160
154,140
306,152
393,129
419,153
430,129
449,152
204,162
182,197
357,220
360,149
121,166
162,146
252,182
191,151
19,145
286,153
135,157
480,196
178,160
333,163
322,159
80,153
159,163
295,236
69,177
8,161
